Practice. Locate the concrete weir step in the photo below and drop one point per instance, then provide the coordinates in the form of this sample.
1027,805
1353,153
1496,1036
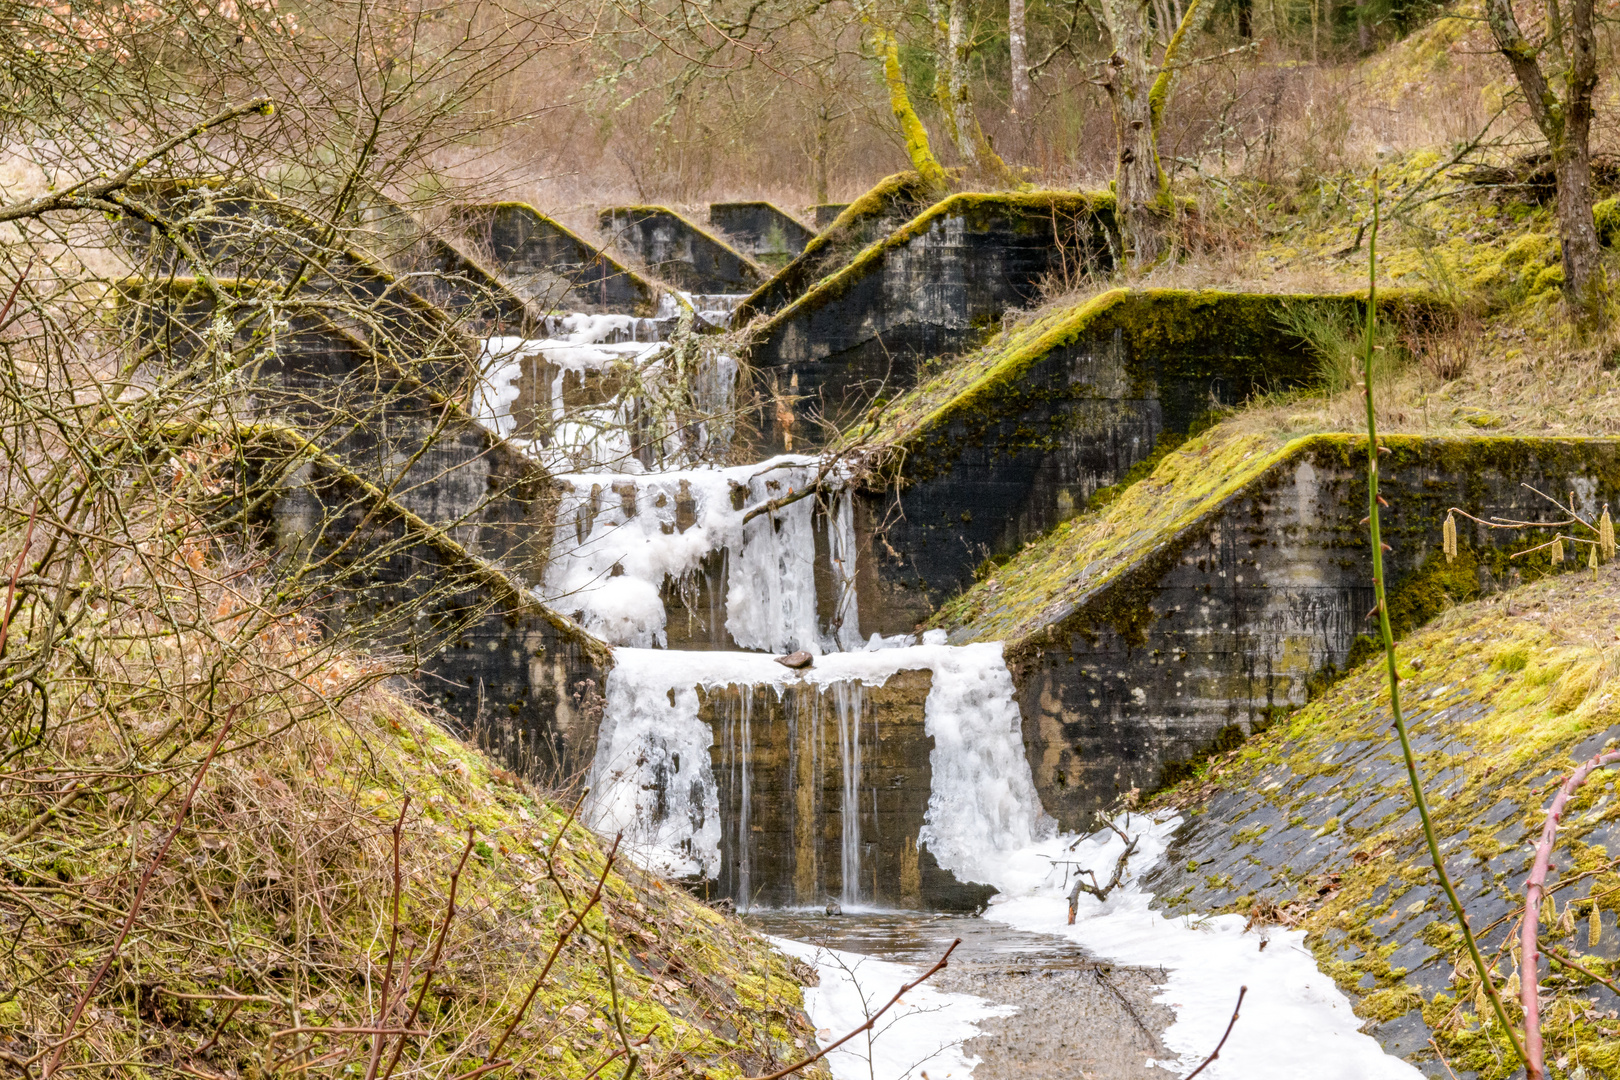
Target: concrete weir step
992,450
771,236
678,251
551,264
841,236
1211,597
939,284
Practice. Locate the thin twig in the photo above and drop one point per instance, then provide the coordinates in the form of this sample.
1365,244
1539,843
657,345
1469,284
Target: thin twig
870,1020
1230,1024
1530,925
135,906
1388,637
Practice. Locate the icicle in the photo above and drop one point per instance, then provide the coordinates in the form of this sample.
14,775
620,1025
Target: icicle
1449,536
1558,551
1606,534
847,701
1594,928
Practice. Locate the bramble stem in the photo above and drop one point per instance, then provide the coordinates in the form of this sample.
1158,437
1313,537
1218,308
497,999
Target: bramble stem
1388,636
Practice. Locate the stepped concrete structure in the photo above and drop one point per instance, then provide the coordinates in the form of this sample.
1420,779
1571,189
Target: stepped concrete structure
938,285
891,203
675,250
760,230
1213,595
552,265
994,450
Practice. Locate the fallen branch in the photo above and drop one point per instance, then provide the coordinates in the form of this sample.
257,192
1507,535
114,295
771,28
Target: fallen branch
870,1020
1529,959
1101,892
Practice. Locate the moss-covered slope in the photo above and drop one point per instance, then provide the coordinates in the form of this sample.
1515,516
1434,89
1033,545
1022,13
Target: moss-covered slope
1169,336
264,938
1310,825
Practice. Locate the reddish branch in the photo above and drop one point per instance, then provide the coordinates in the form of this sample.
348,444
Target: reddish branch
1230,1024
1529,963
870,1020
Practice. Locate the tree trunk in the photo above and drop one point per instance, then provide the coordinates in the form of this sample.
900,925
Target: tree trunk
916,136
1363,28
1020,61
1127,79
1567,127
1245,19
823,139
953,93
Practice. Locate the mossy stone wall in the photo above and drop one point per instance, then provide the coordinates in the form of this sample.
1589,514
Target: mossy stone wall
846,230
552,265
937,286
679,252
1011,454
1212,631
783,845
519,680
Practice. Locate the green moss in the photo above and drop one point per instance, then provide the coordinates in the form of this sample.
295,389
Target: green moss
1606,215
1190,333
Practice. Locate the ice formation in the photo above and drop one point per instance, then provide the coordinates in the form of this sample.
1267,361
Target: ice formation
621,538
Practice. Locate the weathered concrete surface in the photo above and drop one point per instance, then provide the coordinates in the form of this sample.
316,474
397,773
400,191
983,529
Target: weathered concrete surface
1311,825
518,679
891,203
248,239
552,265
405,431
679,252
827,213
938,285
1181,618
442,270
784,843
991,452
760,230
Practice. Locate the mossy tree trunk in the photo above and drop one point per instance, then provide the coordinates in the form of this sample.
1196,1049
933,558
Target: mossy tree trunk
911,127
1139,91
954,48
1566,59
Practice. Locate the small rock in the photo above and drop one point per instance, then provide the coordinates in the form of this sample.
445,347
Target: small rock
833,906
800,659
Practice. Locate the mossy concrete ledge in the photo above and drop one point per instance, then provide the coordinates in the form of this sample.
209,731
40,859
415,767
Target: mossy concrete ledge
935,286
551,264
1311,824
519,679
675,250
845,233
1213,596
443,269
996,448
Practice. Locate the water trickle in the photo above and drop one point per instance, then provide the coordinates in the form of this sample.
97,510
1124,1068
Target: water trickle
847,709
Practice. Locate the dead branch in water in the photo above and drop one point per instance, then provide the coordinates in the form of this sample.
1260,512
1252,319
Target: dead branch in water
1101,891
